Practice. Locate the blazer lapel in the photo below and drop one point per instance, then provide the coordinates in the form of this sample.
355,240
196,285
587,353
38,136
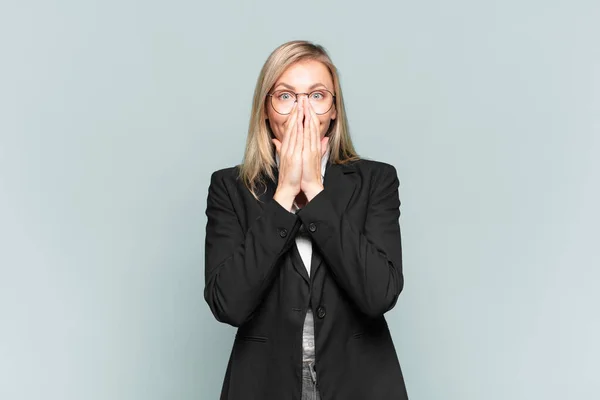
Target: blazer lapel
340,182
298,263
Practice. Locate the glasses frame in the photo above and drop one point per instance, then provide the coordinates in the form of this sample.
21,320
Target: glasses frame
307,94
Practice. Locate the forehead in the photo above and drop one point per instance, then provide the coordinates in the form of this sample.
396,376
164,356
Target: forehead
303,74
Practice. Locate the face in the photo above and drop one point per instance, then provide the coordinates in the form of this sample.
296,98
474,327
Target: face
302,77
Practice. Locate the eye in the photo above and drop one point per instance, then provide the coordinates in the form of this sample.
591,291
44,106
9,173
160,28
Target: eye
317,95
284,96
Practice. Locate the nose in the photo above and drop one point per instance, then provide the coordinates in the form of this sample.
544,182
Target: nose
298,97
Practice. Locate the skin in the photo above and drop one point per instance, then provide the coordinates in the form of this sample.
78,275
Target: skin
300,139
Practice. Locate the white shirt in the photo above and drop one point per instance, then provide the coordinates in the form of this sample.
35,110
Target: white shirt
304,244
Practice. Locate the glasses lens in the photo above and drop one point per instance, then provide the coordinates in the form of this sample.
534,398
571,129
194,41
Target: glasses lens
283,101
321,100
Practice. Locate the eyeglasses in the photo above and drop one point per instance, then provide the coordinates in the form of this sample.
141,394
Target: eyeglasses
283,101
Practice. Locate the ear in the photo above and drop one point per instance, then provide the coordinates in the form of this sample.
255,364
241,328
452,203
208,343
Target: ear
334,113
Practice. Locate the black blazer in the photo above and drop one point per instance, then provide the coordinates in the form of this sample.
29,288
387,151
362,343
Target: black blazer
256,281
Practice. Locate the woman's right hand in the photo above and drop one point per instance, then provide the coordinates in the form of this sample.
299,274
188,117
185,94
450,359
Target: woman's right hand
290,158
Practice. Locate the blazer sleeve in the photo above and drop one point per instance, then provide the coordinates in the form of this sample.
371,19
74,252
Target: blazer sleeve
367,264
240,266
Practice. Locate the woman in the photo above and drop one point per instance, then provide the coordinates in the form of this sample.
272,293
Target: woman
303,249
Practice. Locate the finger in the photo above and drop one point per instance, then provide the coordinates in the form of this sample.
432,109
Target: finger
291,126
314,120
293,132
308,129
314,132
299,124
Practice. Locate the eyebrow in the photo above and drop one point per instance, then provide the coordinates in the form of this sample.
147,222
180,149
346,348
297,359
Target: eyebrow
290,87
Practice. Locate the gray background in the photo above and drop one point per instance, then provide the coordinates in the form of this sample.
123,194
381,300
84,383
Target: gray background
114,114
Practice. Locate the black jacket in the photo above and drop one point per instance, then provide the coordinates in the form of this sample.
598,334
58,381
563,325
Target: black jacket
256,281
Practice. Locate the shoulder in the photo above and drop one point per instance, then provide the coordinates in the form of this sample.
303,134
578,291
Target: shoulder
222,181
379,180
225,174
375,170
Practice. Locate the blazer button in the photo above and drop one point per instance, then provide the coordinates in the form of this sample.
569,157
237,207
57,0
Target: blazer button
283,232
312,227
321,312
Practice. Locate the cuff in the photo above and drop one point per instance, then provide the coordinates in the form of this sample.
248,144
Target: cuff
319,217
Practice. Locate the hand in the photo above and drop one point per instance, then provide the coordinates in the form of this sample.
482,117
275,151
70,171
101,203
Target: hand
290,159
313,150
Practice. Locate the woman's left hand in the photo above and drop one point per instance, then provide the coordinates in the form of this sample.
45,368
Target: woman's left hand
313,150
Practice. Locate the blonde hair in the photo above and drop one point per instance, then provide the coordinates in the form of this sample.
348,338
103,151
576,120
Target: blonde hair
259,156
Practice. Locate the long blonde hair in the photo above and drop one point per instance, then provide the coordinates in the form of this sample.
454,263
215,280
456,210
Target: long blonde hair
259,156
